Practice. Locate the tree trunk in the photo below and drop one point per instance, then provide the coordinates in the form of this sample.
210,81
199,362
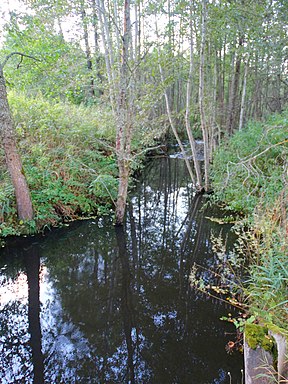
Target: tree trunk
124,120
174,130
204,127
87,47
13,160
232,109
242,108
96,48
108,51
187,114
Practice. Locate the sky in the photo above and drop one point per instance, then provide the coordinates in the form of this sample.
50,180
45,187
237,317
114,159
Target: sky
7,6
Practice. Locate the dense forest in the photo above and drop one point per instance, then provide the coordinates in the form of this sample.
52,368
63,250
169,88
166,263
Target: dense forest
89,87
196,69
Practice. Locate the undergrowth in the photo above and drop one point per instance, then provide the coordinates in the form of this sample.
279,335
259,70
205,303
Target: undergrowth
250,177
67,154
251,167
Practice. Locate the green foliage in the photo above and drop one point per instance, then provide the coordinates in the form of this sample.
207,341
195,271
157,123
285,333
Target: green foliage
57,68
239,322
248,168
267,285
68,162
250,175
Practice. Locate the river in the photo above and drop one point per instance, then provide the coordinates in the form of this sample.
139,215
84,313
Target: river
91,303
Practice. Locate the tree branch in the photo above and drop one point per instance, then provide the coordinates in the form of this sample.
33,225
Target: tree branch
16,53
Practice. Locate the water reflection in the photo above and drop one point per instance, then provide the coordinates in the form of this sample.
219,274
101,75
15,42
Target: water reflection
114,303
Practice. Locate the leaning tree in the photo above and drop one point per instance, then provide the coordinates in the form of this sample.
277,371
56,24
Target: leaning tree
13,159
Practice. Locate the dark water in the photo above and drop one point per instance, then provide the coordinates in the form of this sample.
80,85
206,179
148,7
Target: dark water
114,305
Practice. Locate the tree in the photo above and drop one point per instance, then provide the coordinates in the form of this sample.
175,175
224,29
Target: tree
204,127
120,66
13,160
124,118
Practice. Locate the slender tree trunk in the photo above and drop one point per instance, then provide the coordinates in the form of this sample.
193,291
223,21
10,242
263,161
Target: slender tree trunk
87,47
174,130
242,108
96,46
230,96
204,127
222,72
108,53
214,129
124,120
117,33
13,160
136,32
232,110
188,108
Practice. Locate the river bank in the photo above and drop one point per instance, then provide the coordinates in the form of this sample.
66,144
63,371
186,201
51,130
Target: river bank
250,174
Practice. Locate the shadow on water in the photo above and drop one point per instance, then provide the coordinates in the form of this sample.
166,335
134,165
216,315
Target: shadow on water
98,304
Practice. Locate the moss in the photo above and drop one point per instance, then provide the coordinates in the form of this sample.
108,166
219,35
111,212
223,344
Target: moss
257,335
275,329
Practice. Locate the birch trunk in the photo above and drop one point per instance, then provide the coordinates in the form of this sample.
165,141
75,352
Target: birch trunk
232,109
188,110
108,53
87,47
242,108
204,127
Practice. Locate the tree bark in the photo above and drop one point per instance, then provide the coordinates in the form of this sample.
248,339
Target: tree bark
87,46
187,113
242,108
124,120
232,107
204,127
13,160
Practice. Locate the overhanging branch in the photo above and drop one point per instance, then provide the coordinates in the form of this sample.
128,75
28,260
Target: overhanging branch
16,53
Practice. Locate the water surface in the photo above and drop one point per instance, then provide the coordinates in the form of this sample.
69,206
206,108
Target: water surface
96,304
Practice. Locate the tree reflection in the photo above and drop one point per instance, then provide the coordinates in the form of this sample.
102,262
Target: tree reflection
127,308
32,261
21,352
116,304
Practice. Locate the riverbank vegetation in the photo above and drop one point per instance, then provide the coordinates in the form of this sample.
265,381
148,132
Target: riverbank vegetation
93,85
69,160
87,105
250,175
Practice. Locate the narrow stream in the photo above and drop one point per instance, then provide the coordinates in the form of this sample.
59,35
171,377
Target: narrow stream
114,305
